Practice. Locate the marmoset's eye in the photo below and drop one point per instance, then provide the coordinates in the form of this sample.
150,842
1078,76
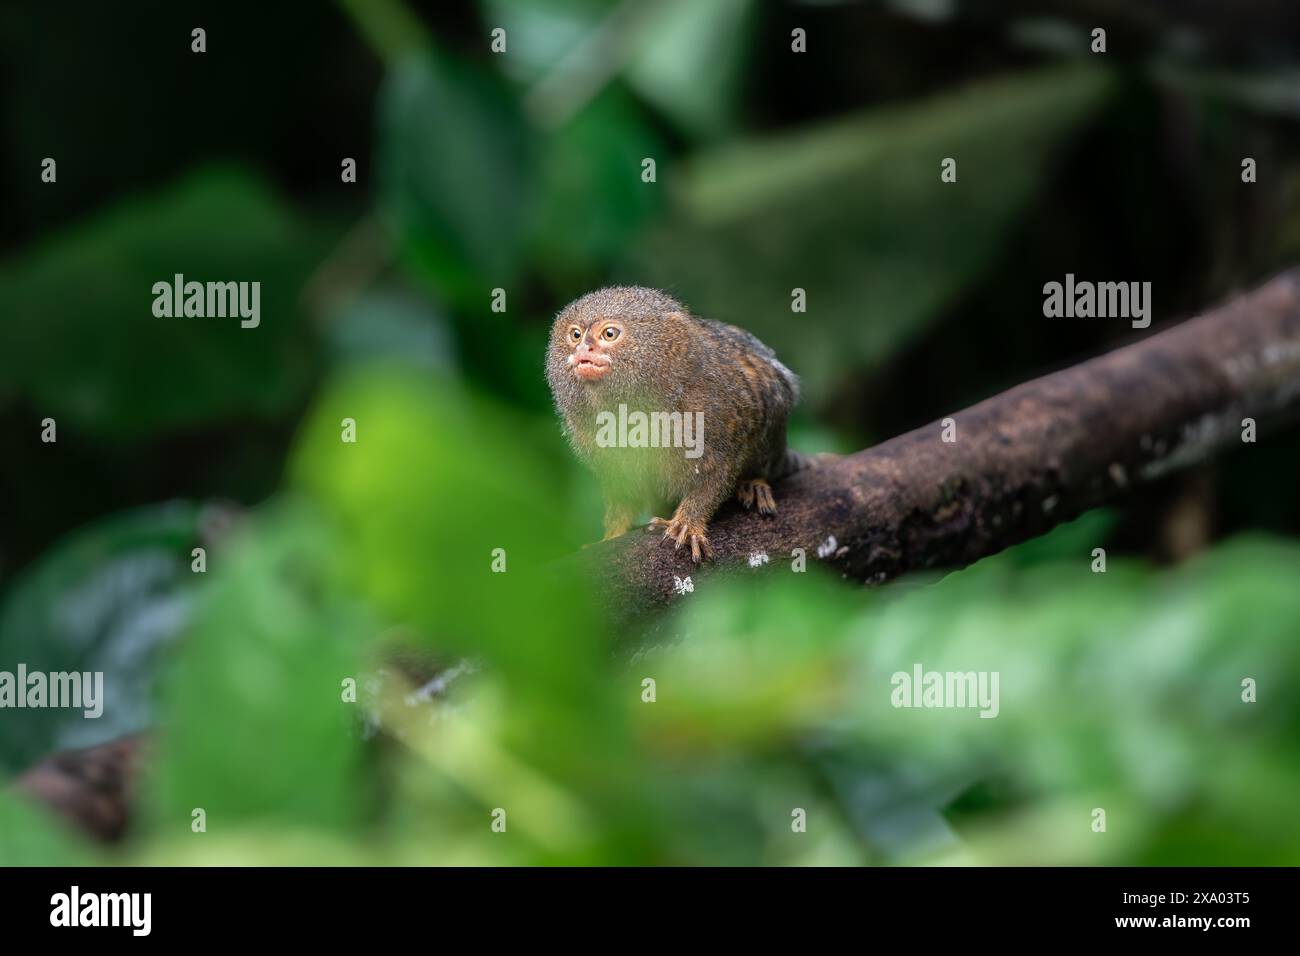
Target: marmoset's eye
575,333
610,333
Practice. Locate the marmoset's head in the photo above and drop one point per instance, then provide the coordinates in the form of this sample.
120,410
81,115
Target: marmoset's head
619,338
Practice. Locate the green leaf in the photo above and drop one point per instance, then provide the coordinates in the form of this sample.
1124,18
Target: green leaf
30,837
1070,541
593,199
106,599
81,343
254,725
436,481
689,61
1121,690
542,34
456,173
854,212
684,57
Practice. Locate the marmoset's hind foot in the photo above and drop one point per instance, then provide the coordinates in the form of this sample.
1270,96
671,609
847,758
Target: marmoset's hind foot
756,492
679,531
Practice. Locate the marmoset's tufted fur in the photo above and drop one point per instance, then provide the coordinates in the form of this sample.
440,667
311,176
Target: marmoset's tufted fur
642,350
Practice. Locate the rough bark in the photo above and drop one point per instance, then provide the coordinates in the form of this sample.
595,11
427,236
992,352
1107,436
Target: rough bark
1022,461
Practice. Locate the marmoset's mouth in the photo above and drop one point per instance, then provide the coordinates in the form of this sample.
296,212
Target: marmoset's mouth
591,369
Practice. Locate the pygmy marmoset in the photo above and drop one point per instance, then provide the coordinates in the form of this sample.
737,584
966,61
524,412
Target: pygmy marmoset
669,409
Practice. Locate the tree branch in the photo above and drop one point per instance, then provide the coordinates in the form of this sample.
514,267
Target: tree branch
91,788
1022,461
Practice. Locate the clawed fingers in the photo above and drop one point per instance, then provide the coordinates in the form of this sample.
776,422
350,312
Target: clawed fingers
745,494
681,532
755,492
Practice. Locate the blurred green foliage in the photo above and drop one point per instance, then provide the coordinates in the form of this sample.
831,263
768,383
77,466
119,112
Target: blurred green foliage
252,698
754,215
1119,690
523,172
134,374
103,600
459,201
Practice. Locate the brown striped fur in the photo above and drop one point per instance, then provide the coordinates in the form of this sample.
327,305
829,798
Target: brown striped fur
666,360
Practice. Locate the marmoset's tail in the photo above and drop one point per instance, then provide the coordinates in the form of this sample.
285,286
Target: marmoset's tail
798,461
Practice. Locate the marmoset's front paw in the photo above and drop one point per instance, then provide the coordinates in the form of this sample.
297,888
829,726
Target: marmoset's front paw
680,530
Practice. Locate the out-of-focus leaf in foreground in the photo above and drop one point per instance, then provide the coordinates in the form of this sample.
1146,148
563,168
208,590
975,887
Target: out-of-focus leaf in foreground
31,837
436,482
255,727
447,516
1120,690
